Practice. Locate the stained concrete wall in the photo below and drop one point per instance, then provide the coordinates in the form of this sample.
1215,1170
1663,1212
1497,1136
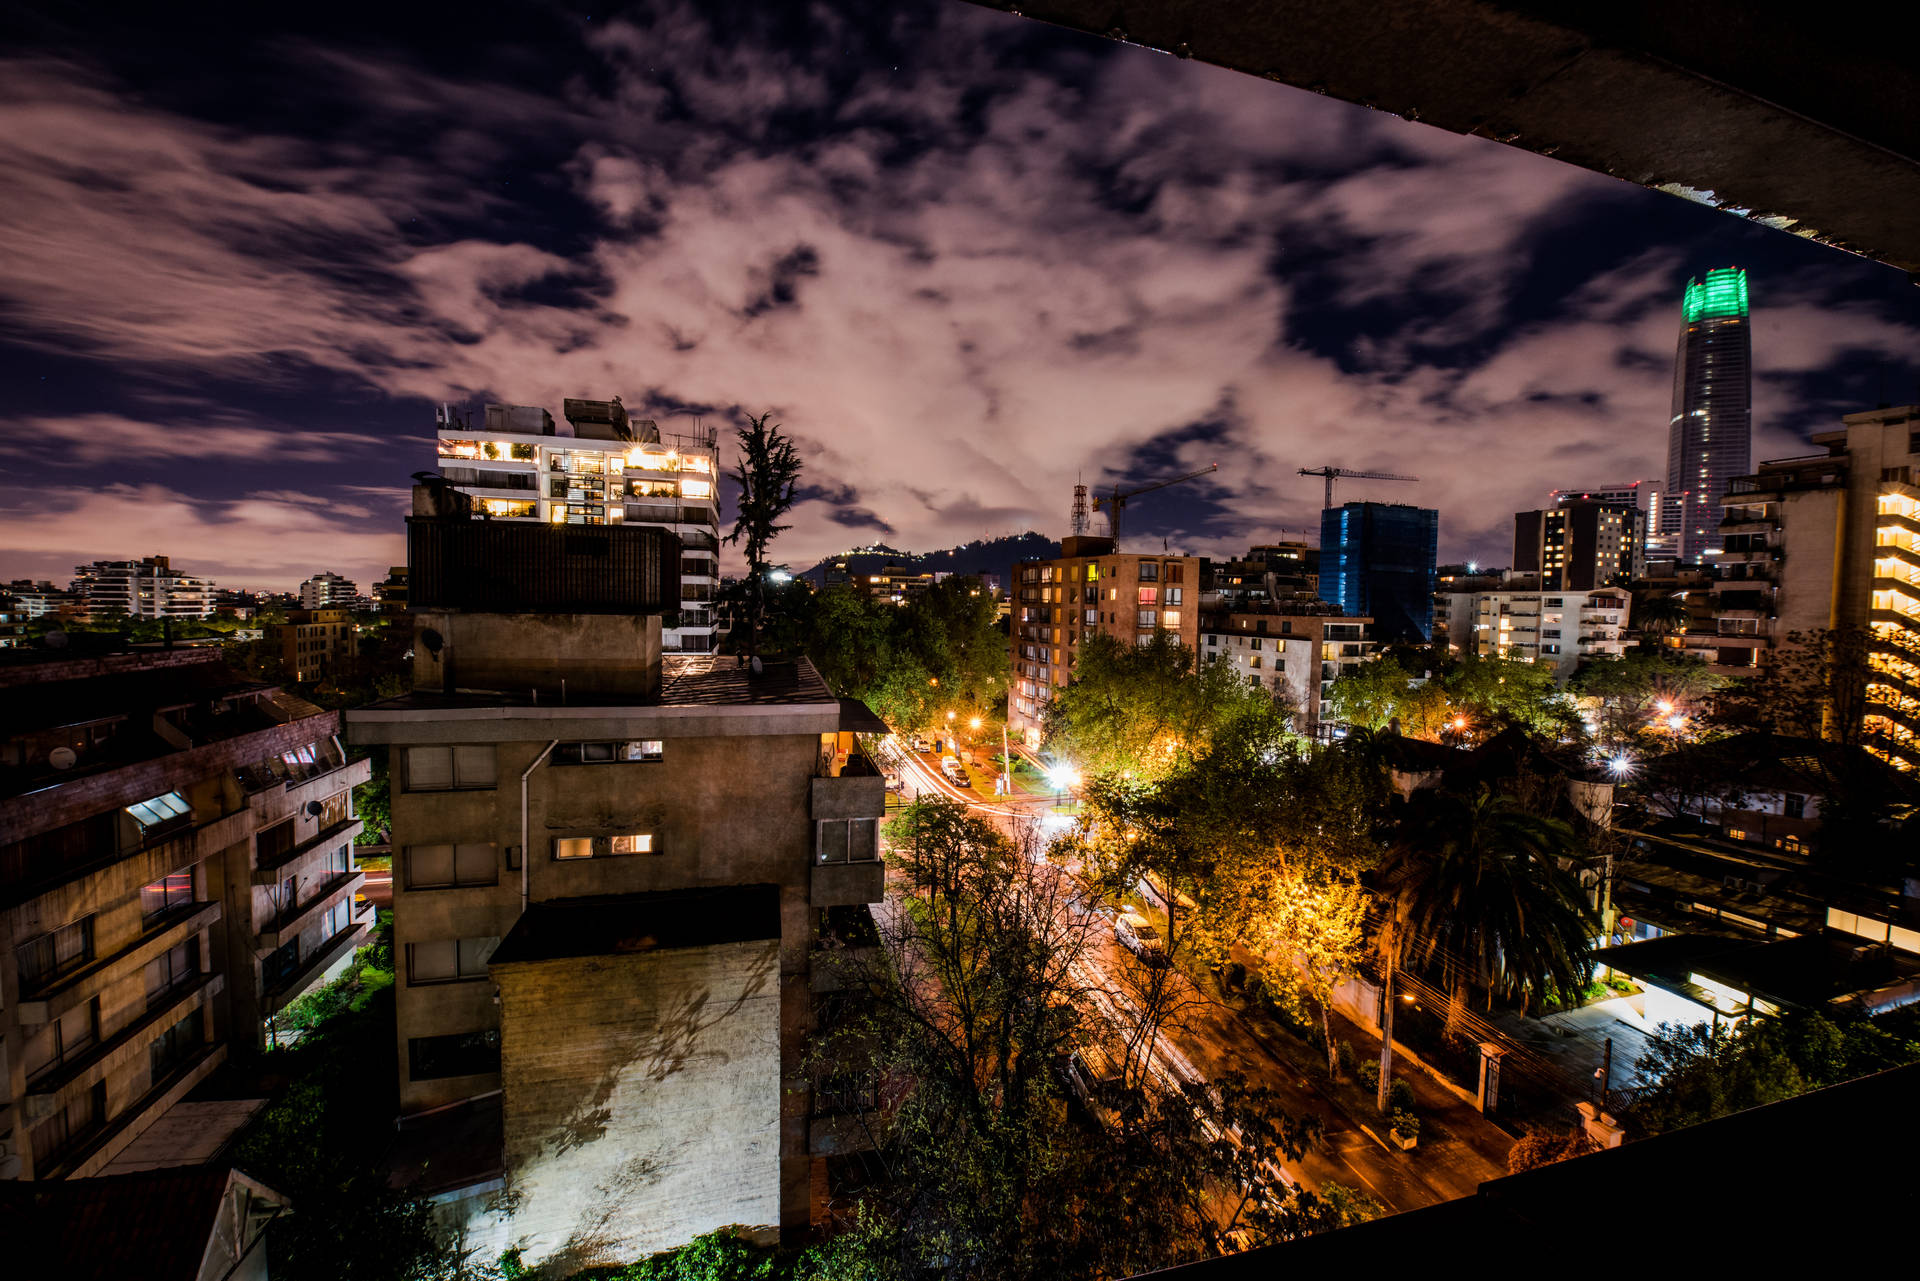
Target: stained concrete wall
591,653
642,1099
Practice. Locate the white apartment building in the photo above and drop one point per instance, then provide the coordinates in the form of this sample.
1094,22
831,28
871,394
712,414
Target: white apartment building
328,591
597,466
1296,656
149,588
1563,629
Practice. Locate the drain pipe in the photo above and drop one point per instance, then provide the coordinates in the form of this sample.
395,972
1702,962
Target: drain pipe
526,855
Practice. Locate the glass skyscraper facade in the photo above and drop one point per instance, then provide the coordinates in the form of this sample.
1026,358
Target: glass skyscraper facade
1377,561
1710,435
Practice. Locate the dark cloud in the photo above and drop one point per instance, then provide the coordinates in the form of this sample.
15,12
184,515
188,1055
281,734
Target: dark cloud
966,259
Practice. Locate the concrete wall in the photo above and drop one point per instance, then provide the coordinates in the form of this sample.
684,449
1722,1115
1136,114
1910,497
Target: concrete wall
642,1099
1810,569
606,654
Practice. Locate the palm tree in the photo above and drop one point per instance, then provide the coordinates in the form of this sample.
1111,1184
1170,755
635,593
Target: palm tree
1659,614
769,469
1476,883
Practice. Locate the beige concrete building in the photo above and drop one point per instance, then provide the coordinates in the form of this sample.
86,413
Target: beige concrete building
312,643
1830,540
176,865
1090,589
1296,651
611,867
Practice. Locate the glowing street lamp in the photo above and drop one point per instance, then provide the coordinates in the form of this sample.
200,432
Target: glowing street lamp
1666,706
1621,765
1675,722
974,723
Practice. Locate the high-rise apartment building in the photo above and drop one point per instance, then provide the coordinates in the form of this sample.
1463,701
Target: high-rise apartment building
176,866
1377,561
1831,540
1090,589
313,643
1577,546
612,868
599,467
328,590
1710,432
148,588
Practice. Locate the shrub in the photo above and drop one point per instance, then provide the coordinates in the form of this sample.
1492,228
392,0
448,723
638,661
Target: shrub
1399,1095
1368,1074
1343,1054
1405,1124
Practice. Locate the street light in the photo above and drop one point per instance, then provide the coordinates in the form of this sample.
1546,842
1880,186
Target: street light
1675,722
1621,765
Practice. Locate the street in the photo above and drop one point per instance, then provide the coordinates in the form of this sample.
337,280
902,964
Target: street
1206,1039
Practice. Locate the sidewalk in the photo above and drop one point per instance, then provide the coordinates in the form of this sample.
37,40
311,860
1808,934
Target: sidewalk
1575,1040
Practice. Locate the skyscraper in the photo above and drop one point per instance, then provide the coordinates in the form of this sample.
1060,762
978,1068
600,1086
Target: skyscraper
1377,559
1710,434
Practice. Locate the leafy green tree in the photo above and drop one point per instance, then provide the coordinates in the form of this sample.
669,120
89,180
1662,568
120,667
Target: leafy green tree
1694,1073
1508,691
1630,692
1139,710
1369,696
768,473
1477,889
1658,614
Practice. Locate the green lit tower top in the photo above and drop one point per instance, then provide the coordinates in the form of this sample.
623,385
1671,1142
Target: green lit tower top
1710,434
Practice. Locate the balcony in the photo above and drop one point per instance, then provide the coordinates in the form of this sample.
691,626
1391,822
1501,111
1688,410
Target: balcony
848,884
272,867
313,965
288,926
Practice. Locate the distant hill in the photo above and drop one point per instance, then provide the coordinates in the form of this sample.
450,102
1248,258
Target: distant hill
988,556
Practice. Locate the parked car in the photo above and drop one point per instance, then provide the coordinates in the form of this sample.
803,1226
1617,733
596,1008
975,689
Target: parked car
1139,937
956,772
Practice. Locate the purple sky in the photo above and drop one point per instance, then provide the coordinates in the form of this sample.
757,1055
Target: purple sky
964,258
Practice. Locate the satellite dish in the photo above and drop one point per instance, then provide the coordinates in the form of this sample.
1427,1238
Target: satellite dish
315,809
55,640
61,758
432,640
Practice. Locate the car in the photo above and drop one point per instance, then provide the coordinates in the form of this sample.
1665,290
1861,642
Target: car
892,781
1139,937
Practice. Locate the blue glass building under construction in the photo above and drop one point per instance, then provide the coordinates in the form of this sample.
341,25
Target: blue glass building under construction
1377,561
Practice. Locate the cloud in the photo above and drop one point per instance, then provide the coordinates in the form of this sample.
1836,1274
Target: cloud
261,540
88,439
964,260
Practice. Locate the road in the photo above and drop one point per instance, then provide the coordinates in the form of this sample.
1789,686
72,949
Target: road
1208,1040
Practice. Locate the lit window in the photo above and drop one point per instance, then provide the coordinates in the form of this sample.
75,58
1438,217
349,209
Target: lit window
573,847
636,843
696,489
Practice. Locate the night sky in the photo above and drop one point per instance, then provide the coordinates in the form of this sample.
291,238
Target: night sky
964,258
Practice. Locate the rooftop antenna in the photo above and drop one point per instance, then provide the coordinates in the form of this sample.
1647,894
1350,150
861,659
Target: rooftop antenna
1080,520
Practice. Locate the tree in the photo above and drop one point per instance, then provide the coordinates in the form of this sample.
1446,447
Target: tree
1542,1146
1694,1073
981,988
1632,691
1657,614
767,473
1138,710
1477,887
1509,691
1370,696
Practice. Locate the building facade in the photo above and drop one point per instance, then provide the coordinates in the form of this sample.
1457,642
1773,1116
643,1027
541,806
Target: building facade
599,467
313,643
328,590
1578,546
1296,652
611,868
1710,431
1831,540
176,866
149,588
1090,590
1561,629
1377,561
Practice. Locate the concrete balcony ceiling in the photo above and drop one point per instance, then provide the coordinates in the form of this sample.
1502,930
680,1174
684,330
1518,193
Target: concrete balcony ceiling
1792,117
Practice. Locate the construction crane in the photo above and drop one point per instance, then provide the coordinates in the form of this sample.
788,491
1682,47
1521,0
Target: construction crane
1116,501
1331,472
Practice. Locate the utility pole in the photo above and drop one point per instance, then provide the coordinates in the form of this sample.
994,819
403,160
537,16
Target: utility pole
1006,757
1386,1037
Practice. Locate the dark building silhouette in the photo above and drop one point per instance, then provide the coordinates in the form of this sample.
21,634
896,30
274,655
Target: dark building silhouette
1710,434
1377,560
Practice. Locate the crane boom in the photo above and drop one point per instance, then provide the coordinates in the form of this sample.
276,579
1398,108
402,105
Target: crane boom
1331,472
1113,503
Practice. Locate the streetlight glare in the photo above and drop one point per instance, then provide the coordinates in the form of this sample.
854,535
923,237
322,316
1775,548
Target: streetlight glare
1620,765
1675,722
1063,776
1666,707
974,723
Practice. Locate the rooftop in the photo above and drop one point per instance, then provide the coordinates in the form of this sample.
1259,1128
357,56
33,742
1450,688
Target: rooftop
687,680
155,1224
628,924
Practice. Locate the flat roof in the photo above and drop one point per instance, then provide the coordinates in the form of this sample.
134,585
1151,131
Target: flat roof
630,924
